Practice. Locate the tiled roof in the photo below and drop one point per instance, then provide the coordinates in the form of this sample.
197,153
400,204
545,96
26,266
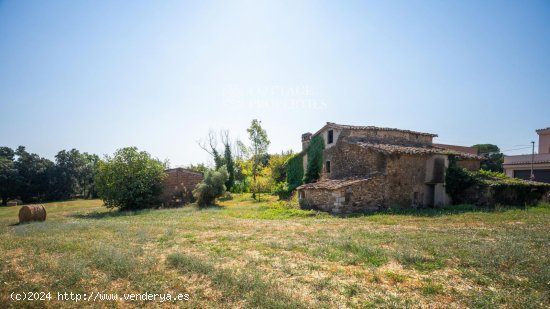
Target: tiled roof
333,184
415,149
351,127
542,130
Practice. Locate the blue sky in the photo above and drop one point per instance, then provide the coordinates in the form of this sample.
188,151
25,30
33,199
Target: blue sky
100,75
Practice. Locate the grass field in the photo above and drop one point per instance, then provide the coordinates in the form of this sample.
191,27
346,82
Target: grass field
268,255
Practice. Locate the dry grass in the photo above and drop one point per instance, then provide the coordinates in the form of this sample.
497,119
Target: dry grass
266,255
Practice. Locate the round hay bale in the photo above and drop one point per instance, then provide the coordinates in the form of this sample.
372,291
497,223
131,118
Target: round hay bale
30,213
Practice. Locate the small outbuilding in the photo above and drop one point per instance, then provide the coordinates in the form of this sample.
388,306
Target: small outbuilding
178,186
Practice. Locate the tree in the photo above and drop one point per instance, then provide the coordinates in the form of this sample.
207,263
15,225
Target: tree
258,148
131,179
278,164
493,158
211,187
8,174
199,168
210,146
230,165
34,176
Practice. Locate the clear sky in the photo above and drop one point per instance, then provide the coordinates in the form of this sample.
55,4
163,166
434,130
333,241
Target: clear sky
100,75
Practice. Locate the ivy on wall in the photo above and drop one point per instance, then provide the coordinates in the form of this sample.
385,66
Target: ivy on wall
503,189
294,171
314,159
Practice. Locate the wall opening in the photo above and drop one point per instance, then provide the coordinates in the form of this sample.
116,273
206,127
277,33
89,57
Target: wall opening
327,167
430,195
330,137
439,170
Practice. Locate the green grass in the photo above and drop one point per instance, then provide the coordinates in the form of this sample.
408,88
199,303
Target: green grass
269,254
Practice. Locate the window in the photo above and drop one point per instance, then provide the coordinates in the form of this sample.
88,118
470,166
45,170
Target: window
327,166
330,137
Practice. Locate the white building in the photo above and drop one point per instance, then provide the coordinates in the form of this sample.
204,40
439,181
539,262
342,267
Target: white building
520,166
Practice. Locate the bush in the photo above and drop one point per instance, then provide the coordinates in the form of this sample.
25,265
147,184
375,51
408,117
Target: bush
282,190
131,179
491,188
211,187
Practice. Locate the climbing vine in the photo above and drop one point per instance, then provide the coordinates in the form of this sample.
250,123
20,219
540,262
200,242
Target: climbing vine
294,171
314,159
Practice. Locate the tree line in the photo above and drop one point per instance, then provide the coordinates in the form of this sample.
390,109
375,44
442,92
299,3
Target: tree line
30,178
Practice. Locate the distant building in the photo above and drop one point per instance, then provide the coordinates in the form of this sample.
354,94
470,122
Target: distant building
520,166
178,186
370,168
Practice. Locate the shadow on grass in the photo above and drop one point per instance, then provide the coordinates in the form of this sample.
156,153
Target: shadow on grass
109,214
210,207
436,211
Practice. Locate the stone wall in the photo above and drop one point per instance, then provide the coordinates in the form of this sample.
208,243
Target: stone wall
178,186
358,197
393,137
406,180
347,160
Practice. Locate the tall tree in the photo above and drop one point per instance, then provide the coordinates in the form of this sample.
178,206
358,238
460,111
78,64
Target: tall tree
8,174
493,158
229,165
34,176
258,149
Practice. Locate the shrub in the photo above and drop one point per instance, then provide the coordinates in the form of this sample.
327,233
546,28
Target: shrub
131,179
211,187
489,187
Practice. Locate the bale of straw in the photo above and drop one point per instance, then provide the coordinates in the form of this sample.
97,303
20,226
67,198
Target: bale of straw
12,203
30,213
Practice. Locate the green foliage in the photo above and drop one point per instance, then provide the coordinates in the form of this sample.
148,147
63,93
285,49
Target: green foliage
457,179
295,171
131,179
493,158
211,187
278,164
29,177
314,159
199,168
241,186
258,148
504,190
230,165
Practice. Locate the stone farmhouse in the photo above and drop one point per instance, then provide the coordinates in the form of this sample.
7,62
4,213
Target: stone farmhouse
371,168
178,186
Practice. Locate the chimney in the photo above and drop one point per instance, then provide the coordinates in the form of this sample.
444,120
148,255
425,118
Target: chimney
306,138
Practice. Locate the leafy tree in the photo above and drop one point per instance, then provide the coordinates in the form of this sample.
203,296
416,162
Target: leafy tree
131,179
211,187
199,168
314,159
34,175
278,164
493,158
230,165
258,148
8,174
86,175
227,160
